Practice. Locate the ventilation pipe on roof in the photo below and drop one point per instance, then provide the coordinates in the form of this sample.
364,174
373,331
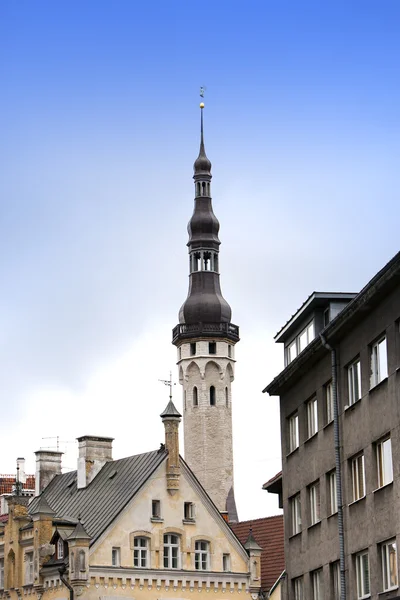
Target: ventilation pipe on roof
339,494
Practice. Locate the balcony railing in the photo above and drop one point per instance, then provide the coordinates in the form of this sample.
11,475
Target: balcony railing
207,329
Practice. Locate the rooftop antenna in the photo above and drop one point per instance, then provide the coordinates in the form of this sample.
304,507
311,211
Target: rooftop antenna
169,383
58,441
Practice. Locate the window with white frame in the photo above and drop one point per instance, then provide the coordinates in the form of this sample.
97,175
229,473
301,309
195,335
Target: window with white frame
300,342
314,496
379,368
291,352
312,417
155,509
358,477
316,583
293,432
332,487
1,573
116,557
389,565
202,555
28,568
354,381
362,574
298,588
226,562
140,552
60,548
295,509
336,586
189,511
329,402
171,551
384,462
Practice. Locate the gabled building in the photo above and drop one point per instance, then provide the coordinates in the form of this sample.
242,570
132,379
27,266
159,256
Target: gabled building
140,527
9,484
340,421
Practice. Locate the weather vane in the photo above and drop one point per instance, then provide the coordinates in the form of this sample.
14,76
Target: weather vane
169,383
202,90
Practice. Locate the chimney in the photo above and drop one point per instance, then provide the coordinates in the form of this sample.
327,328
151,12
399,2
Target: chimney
171,419
94,452
48,465
21,469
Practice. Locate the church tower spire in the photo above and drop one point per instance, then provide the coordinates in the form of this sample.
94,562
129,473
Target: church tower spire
205,339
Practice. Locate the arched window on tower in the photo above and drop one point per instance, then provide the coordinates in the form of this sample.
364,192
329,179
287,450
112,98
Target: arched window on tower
207,261
203,190
226,397
196,261
212,395
195,397
216,262
198,188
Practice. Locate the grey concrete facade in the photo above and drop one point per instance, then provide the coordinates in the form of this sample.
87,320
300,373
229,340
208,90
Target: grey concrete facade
371,512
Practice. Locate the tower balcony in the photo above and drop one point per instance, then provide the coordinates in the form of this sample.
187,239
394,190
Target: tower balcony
185,331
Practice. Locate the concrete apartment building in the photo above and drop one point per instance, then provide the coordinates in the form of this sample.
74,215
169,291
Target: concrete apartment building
340,430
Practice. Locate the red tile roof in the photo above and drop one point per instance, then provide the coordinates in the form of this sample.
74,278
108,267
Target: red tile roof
268,533
7,483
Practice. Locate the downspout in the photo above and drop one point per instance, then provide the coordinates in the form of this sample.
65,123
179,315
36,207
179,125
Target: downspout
339,495
67,584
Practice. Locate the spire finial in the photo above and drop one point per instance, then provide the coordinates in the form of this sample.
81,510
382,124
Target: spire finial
202,164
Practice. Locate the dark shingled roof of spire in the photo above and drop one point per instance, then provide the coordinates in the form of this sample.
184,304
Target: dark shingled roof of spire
170,411
79,533
41,507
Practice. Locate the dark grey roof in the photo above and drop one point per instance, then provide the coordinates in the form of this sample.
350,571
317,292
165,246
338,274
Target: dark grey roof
251,543
170,411
41,507
79,533
105,497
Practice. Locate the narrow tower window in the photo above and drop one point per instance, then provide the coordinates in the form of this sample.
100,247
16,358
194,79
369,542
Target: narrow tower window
198,188
226,397
207,261
196,261
212,396
216,267
212,347
195,397
192,348
229,351
203,185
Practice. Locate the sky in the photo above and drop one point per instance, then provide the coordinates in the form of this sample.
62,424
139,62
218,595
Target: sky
99,124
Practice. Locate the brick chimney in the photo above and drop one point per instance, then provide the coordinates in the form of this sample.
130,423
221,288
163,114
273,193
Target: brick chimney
94,452
48,465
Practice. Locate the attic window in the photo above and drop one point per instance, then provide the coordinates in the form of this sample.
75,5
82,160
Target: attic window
156,509
116,557
189,513
112,474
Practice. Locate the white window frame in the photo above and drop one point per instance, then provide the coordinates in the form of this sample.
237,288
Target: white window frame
202,555
362,574
189,511
336,583
226,563
379,365
329,403
389,565
358,477
60,548
298,588
155,509
384,462
29,575
141,552
332,482
312,417
171,554
295,510
296,347
354,381
1,572
293,432
316,584
314,496
116,556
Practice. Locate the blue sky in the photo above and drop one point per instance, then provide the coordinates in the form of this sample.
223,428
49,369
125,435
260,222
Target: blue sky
99,125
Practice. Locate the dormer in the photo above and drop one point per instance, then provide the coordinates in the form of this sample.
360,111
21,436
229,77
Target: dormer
312,317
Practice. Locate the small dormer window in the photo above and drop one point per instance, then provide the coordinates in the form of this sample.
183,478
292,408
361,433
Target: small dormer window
60,549
327,316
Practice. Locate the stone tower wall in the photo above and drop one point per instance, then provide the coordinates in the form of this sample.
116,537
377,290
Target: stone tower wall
208,428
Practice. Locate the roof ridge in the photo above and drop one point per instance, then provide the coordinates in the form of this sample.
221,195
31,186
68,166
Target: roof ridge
258,519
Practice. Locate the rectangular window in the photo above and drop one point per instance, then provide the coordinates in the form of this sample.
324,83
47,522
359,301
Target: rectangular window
28,568
291,352
192,348
212,348
156,509
332,493
312,417
188,511
295,508
140,552
1,573
354,381
358,477
202,555
226,562
171,551
384,462
316,582
314,496
362,572
298,588
229,350
306,336
389,565
329,402
293,432
327,316
116,557
335,571
378,362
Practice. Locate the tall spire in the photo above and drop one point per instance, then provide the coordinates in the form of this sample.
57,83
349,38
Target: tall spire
202,165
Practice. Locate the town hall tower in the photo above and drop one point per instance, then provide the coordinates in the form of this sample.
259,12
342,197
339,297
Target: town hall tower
205,339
